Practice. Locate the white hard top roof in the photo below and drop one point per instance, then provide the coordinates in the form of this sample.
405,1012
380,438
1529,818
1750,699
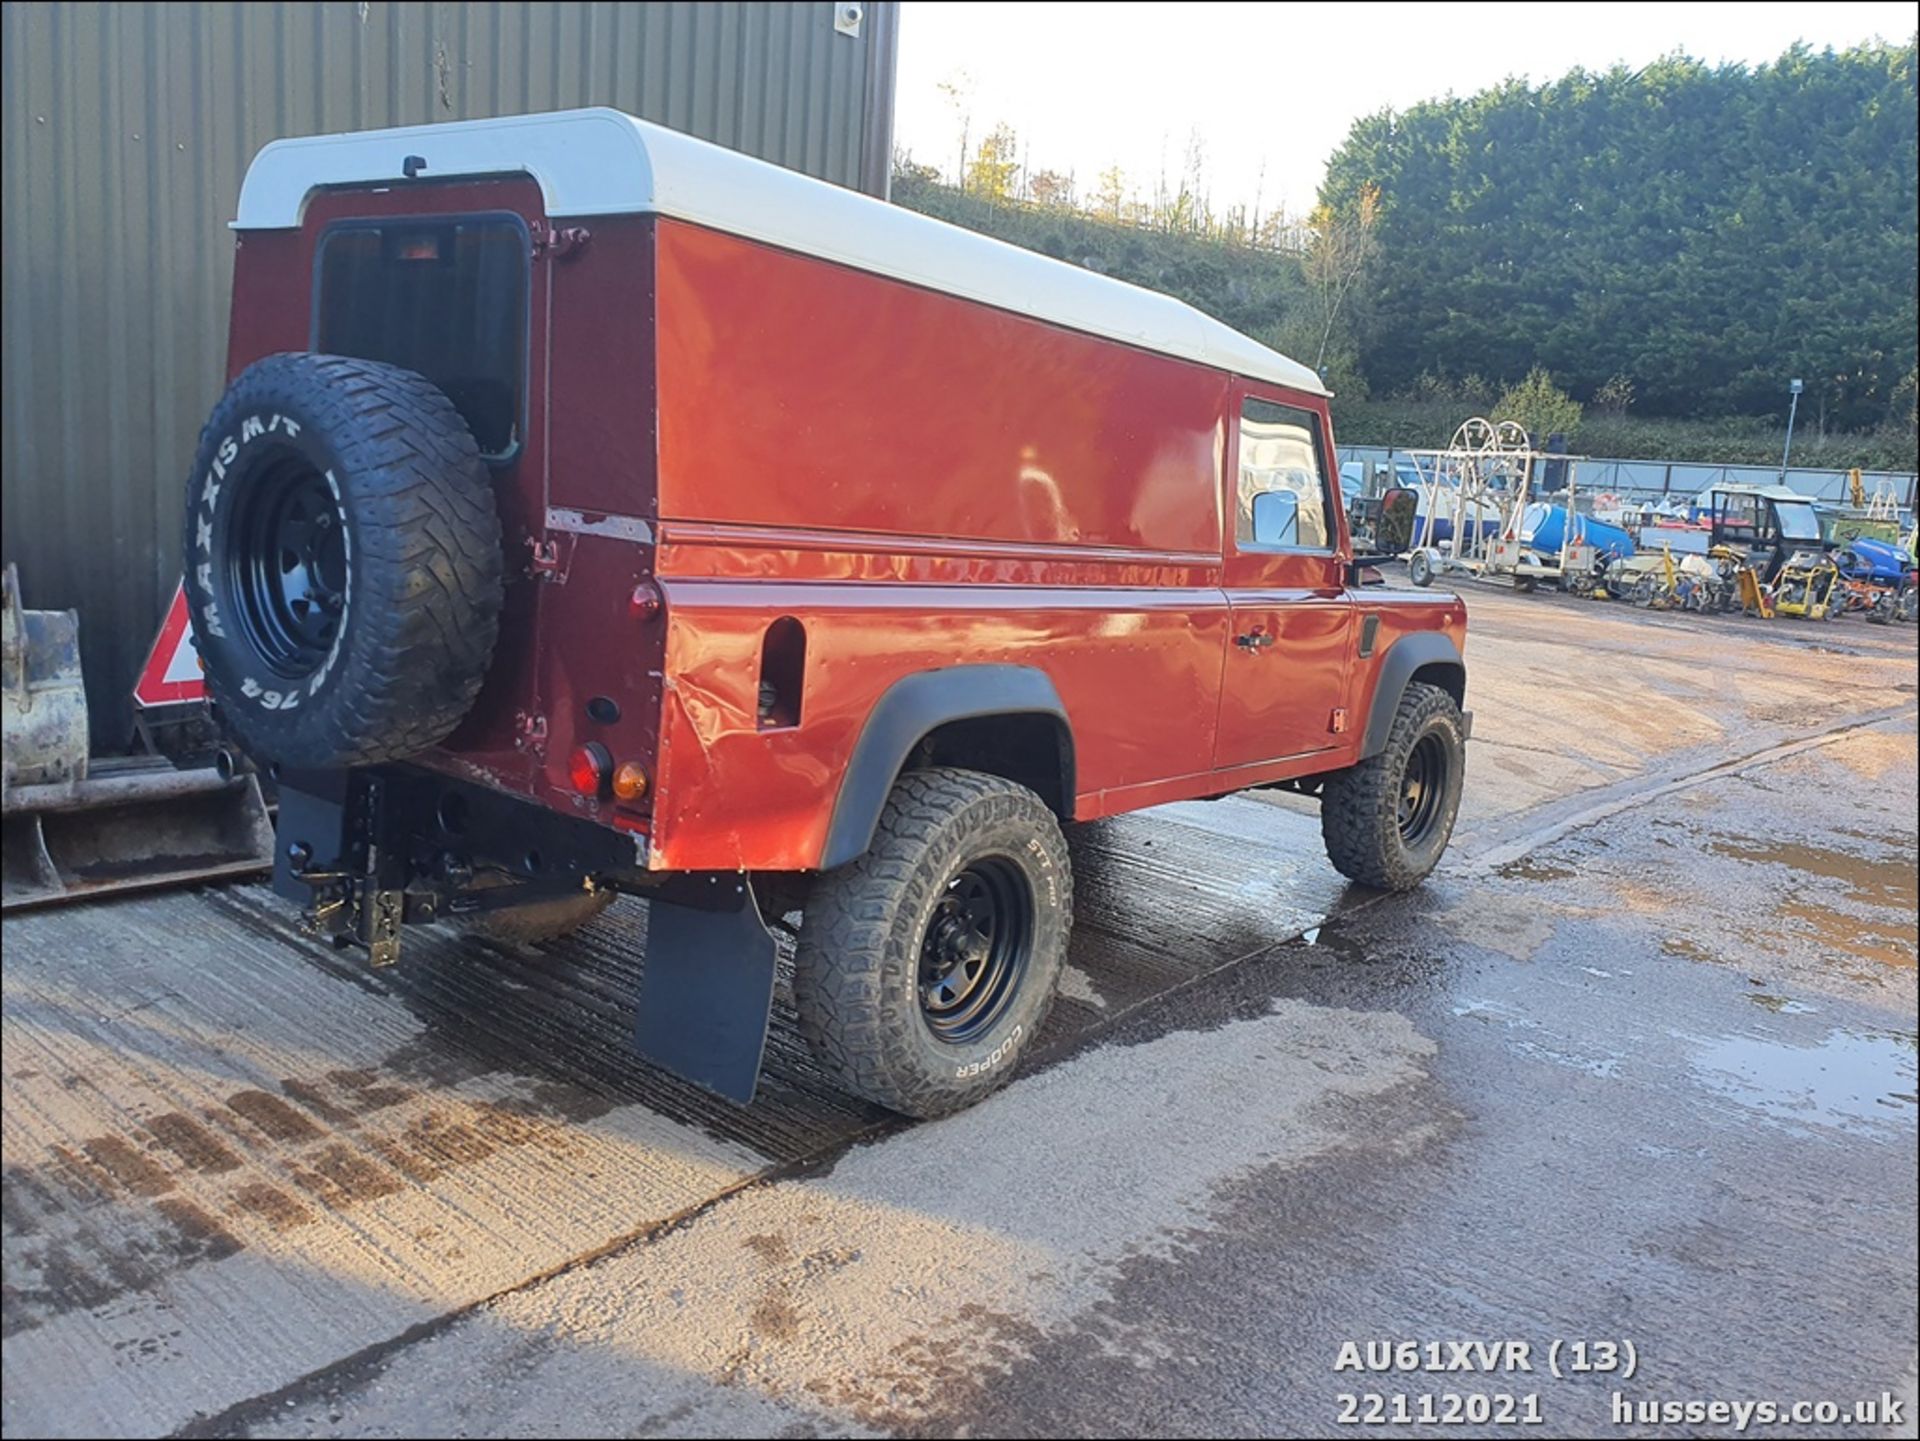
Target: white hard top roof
603,162
1770,492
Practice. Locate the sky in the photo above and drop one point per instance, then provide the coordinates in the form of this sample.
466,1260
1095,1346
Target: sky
1271,89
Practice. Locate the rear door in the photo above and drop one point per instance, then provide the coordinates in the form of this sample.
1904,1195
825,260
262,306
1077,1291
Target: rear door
1291,636
445,278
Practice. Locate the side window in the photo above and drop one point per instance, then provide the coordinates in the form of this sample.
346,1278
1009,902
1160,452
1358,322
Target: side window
1283,488
447,298
1740,515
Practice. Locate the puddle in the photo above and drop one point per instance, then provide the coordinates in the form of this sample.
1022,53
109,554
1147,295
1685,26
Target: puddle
1849,936
1347,949
1527,868
1681,946
1604,1064
1780,1005
1891,882
1851,1080
1870,920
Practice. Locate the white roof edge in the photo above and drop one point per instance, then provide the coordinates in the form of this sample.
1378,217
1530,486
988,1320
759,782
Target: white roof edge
604,162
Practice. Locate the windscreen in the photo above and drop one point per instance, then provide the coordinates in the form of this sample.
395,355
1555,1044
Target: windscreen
1797,521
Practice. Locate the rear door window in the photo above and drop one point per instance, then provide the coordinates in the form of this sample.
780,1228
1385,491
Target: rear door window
444,297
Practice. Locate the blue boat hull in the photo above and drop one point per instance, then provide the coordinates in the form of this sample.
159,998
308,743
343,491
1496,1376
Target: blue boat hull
1543,527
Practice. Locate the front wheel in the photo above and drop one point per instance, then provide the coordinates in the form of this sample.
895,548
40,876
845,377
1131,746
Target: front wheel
1387,820
926,967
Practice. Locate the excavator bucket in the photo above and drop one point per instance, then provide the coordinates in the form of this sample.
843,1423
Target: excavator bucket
74,827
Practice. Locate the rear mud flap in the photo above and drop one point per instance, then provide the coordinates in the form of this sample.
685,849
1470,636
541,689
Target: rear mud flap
706,990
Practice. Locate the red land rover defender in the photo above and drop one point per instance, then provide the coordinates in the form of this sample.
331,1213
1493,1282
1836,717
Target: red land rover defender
593,509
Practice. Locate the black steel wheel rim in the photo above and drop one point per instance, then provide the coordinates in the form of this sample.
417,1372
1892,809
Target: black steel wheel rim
1423,789
289,566
975,948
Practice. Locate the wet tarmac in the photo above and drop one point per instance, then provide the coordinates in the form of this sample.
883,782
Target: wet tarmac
1638,1065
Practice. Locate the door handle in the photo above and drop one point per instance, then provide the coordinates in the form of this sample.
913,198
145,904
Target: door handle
1256,639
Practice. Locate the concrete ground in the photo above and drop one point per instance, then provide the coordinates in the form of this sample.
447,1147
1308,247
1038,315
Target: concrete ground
1635,1069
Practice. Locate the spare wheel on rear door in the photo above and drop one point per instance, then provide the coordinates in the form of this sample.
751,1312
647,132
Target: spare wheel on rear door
343,561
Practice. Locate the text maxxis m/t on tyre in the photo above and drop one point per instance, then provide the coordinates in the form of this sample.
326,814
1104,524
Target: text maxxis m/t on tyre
343,561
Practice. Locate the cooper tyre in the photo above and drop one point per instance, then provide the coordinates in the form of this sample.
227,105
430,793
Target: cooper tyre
926,967
1386,821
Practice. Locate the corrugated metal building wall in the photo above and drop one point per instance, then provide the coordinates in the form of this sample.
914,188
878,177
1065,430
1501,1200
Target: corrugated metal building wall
127,128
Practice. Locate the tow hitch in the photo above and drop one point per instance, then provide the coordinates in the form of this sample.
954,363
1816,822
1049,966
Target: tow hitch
368,852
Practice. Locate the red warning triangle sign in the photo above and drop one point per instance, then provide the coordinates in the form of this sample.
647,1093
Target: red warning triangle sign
171,675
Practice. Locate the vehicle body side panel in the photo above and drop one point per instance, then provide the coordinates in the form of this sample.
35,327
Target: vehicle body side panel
1125,663
795,392
922,482
1424,616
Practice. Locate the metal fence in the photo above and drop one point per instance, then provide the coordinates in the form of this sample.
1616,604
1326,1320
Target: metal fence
1657,479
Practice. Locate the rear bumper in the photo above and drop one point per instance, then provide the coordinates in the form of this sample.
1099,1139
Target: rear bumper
368,851
401,829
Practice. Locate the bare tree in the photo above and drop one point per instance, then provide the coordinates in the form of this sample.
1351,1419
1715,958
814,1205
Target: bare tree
1341,246
1051,189
958,88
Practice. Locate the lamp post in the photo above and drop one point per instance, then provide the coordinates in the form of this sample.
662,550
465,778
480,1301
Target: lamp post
1792,410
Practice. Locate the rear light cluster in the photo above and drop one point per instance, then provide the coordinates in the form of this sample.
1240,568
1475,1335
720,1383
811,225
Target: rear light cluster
630,781
590,767
591,772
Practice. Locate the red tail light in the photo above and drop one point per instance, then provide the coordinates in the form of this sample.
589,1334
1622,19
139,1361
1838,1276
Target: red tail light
589,768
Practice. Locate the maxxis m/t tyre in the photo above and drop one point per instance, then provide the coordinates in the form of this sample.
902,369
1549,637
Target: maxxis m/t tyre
926,967
343,561
1387,820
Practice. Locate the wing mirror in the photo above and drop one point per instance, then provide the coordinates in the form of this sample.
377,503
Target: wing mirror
1393,533
1276,518
1393,527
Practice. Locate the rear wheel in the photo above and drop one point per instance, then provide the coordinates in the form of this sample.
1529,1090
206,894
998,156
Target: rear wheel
1420,567
926,967
1387,820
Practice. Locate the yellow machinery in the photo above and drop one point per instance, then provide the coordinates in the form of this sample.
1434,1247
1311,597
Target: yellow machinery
1664,581
1747,588
1806,587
